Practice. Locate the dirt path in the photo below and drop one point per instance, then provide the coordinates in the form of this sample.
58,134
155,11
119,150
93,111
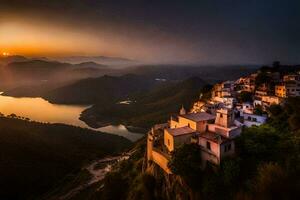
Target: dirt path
98,169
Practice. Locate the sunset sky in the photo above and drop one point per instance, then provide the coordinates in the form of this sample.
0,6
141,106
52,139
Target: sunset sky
200,31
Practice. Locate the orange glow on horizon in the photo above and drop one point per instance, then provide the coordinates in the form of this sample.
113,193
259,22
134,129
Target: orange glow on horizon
41,40
4,54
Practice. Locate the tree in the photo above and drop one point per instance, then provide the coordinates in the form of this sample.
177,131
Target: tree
144,188
258,110
271,182
206,92
261,79
286,117
186,161
245,96
276,64
230,171
275,109
110,192
258,143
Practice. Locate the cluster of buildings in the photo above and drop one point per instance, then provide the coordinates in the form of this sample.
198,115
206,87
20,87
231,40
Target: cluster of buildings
289,86
214,124
213,133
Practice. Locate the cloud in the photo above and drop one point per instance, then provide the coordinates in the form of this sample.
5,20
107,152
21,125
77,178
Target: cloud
159,31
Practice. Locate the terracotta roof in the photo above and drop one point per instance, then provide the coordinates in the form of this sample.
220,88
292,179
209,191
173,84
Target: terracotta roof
198,117
180,131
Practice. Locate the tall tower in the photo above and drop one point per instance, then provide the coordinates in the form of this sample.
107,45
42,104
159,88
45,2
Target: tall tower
225,117
182,111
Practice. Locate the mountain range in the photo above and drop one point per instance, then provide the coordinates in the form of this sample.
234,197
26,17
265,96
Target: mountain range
115,61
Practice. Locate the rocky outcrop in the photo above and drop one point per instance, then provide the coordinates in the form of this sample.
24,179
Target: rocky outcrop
172,187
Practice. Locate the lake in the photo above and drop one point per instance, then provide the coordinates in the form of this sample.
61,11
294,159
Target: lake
38,109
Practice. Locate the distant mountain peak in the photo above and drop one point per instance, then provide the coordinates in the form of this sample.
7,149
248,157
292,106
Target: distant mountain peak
90,64
12,58
105,60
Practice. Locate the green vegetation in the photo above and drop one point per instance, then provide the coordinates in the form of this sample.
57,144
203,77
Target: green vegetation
151,107
258,110
186,162
101,90
286,118
245,97
262,78
206,93
267,166
36,157
134,184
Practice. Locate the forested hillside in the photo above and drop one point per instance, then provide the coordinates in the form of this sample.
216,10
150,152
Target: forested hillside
35,157
102,90
148,107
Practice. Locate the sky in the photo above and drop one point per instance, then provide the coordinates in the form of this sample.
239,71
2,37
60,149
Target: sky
161,31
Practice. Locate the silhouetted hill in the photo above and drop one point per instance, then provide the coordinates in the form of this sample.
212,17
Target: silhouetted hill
17,77
34,157
282,69
97,59
39,77
90,65
102,90
41,69
147,108
9,59
36,69
210,74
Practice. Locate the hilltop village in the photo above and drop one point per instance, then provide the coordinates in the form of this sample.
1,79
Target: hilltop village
214,123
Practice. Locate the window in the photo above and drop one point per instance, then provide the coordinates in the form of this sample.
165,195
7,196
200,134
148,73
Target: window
208,145
221,115
168,142
229,147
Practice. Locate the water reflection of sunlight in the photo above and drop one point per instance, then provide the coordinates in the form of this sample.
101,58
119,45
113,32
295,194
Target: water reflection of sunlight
38,109
121,130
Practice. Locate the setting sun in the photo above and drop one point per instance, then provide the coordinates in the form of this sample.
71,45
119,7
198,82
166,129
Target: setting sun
5,54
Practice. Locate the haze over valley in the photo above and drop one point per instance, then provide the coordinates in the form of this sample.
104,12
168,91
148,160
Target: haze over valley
149,100
105,86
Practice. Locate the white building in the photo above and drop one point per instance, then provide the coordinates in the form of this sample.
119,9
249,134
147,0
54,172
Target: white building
254,120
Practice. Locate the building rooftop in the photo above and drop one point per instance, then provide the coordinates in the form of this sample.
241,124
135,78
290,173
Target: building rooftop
180,131
197,117
213,137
